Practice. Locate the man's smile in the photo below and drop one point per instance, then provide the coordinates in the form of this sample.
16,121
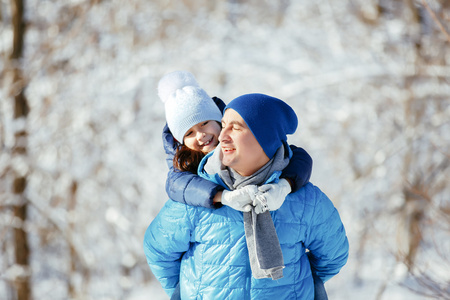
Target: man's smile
228,149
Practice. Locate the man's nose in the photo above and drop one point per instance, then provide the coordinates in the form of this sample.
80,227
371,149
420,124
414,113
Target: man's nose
223,134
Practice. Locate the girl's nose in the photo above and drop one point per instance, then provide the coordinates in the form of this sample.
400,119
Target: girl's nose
200,135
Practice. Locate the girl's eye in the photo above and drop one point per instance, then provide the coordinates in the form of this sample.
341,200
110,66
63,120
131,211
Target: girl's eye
189,133
205,123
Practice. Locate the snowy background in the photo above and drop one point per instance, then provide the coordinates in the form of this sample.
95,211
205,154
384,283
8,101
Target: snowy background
369,80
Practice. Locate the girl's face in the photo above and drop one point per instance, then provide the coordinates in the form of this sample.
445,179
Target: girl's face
203,136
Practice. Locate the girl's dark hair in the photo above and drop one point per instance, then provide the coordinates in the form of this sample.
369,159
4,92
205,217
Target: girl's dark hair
186,159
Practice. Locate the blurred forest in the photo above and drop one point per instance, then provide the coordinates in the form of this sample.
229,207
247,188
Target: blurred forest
82,168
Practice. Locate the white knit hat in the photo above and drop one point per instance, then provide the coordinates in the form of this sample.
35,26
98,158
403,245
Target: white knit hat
187,104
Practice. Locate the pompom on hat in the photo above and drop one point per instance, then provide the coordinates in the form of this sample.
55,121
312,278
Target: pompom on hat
186,103
269,118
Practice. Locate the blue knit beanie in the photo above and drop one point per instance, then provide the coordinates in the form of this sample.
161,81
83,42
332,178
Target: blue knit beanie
270,119
186,103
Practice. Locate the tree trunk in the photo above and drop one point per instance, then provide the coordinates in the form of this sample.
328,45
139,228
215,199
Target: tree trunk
21,249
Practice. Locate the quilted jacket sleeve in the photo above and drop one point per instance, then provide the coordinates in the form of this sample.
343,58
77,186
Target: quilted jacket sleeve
191,189
220,104
326,240
185,187
299,168
166,240
169,144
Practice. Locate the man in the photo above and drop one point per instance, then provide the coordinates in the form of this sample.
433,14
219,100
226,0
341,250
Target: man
227,254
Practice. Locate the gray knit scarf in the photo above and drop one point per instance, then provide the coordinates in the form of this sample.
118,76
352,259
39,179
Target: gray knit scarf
266,258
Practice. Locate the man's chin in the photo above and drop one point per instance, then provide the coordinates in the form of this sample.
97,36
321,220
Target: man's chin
226,162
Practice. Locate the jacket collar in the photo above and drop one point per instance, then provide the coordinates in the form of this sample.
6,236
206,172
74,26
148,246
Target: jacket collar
274,178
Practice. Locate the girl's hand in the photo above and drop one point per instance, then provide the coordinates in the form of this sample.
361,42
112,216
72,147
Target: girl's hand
271,196
241,199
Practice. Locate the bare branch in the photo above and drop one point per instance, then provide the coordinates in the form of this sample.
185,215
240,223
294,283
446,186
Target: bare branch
436,20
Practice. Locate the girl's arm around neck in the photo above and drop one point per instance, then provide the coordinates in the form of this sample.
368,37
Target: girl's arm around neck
299,169
186,187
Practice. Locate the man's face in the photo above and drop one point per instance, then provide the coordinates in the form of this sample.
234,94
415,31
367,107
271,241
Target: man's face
240,149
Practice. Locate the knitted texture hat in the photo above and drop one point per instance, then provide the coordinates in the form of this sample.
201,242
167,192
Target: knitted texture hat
186,103
270,119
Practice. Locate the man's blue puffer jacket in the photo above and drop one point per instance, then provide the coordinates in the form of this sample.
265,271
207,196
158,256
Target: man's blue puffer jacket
205,249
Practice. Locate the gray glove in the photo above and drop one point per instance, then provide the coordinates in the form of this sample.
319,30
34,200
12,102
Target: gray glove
241,199
271,196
